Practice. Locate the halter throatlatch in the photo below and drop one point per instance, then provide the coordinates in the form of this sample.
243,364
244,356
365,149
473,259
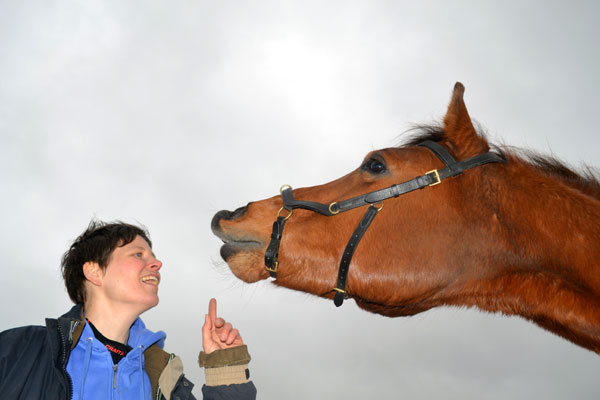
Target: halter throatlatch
372,199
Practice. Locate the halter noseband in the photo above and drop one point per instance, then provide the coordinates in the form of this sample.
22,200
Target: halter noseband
372,199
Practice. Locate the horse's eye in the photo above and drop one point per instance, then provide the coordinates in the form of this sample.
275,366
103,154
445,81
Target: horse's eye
375,166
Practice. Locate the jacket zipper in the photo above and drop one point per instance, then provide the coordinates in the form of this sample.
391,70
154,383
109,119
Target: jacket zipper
115,376
74,325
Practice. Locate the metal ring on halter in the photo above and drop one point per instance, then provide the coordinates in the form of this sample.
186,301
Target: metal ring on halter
379,208
331,211
283,187
286,217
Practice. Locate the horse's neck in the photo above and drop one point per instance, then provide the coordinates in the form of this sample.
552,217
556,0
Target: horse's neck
553,226
550,270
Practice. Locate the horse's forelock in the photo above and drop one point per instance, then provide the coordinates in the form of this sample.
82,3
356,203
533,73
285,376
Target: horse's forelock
421,133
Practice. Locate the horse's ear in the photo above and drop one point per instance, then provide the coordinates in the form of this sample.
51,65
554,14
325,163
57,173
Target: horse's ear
460,133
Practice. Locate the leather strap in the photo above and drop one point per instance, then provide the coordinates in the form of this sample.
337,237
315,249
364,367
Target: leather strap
291,204
340,289
439,151
453,168
272,252
431,178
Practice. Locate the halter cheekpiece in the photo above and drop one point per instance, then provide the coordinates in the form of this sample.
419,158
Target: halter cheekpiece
375,202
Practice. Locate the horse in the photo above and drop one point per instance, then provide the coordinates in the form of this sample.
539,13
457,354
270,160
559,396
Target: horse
516,233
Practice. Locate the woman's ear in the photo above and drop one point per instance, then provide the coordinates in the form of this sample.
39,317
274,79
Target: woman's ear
93,273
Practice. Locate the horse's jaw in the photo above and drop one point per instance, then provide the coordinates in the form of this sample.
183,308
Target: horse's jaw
244,265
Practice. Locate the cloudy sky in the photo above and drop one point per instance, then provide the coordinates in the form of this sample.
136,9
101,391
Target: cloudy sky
165,112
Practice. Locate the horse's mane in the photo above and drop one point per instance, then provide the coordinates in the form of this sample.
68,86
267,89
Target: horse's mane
587,180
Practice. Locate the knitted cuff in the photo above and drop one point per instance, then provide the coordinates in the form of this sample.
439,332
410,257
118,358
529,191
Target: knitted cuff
222,358
235,374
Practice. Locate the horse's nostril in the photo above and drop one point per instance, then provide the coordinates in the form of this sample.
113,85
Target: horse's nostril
239,212
226,215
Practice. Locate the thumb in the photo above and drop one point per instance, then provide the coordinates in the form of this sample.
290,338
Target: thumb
206,328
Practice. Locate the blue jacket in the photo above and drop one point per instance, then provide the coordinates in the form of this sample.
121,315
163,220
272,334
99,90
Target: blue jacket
34,364
94,376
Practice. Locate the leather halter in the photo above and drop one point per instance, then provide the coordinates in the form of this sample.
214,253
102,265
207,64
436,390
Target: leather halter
372,199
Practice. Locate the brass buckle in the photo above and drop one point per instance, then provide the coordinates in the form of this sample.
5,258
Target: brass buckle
339,290
274,269
436,176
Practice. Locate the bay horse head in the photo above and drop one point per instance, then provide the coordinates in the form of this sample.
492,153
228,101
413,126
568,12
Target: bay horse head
447,222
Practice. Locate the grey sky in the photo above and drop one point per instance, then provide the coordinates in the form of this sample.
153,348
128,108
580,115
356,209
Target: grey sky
166,112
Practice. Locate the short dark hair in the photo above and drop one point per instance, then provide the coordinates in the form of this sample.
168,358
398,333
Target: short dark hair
96,244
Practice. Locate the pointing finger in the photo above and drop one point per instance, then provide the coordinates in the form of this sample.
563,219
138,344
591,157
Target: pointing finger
212,310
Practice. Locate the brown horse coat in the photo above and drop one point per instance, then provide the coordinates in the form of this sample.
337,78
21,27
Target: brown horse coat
520,238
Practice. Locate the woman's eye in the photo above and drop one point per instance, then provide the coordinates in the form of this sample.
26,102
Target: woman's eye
375,166
139,255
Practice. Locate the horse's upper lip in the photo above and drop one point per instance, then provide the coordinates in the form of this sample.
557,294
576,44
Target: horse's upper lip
229,238
232,238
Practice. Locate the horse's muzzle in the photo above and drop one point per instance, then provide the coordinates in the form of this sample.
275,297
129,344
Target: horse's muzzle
232,244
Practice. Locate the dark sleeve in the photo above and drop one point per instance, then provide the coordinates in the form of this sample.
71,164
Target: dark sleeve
244,391
182,390
27,369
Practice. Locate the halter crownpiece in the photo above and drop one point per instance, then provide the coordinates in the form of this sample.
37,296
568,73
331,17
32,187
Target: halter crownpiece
371,199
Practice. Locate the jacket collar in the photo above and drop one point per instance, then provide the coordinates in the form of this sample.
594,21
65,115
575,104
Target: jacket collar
72,324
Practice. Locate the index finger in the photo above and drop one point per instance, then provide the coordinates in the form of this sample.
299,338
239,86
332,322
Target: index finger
212,310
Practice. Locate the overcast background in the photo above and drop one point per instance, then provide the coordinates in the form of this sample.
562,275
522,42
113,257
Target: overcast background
165,112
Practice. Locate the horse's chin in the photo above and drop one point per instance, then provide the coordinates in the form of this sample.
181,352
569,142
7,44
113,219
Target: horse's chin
247,265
